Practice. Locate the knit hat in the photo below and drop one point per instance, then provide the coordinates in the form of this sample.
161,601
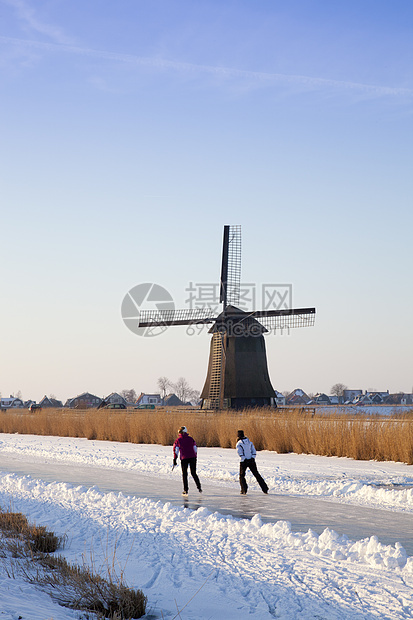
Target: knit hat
241,434
183,429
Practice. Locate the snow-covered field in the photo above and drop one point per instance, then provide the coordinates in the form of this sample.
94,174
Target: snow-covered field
219,566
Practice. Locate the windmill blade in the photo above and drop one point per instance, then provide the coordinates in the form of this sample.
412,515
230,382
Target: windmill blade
230,283
155,318
224,268
257,322
286,318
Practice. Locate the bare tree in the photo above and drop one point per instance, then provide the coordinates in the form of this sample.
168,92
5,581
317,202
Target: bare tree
194,396
128,395
338,389
184,391
164,386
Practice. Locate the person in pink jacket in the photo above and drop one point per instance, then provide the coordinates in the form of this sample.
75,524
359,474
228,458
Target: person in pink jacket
186,448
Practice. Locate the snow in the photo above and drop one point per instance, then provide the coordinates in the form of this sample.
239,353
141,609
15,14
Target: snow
217,565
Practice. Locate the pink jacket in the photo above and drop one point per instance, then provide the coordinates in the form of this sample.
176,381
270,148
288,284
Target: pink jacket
185,446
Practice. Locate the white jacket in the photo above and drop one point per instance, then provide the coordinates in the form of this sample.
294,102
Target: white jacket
246,449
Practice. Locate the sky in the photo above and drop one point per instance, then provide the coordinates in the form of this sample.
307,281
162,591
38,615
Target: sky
131,133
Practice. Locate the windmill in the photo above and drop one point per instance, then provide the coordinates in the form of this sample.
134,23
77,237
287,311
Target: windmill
237,374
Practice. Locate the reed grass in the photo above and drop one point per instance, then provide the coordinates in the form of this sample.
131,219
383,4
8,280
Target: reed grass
25,550
35,537
362,437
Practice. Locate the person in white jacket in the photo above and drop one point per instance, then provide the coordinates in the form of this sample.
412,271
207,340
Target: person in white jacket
247,452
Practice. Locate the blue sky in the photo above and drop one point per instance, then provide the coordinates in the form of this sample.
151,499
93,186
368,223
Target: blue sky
130,133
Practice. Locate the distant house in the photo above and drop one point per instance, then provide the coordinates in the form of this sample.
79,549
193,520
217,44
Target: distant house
378,397
85,400
115,399
296,398
11,403
149,399
363,399
370,398
50,402
322,399
172,401
399,399
279,399
350,395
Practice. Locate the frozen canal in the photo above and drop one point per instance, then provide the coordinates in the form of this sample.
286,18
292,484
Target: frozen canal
302,512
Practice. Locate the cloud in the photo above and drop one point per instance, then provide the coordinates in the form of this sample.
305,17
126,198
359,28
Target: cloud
226,73
28,16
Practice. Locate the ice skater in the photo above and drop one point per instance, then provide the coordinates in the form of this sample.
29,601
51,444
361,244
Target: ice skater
247,452
186,448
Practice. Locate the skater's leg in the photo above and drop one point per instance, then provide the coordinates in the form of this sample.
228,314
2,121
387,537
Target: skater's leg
184,467
242,469
259,478
192,465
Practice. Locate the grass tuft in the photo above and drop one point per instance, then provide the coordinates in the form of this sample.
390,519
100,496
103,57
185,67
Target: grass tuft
36,538
73,586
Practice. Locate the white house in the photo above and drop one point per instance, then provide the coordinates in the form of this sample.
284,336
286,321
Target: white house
149,399
11,403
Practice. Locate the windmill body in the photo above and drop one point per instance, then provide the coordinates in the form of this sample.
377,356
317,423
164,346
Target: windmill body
237,375
243,379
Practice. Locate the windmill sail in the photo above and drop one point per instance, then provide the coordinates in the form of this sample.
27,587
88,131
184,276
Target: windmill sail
230,285
285,319
259,322
224,268
193,316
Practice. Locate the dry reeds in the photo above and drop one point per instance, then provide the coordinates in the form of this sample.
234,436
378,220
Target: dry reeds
34,537
290,430
77,587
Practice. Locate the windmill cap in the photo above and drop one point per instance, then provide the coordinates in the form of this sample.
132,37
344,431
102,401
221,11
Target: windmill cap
183,429
240,434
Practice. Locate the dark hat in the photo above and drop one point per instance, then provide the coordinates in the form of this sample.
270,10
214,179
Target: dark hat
240,434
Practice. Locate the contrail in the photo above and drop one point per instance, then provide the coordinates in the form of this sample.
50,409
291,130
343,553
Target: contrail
225,72
27,14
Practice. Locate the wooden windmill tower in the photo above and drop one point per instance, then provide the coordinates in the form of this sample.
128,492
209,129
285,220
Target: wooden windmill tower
237,374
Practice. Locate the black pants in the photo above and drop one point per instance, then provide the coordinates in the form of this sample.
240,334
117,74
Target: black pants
192,465
250,464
